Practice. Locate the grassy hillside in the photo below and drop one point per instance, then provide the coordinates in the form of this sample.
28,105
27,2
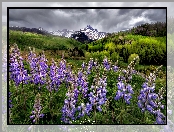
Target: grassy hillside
24,40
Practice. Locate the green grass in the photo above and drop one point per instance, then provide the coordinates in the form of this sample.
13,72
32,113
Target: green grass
40,41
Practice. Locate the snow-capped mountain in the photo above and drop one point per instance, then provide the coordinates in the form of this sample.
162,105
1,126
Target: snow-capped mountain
92,33
64,33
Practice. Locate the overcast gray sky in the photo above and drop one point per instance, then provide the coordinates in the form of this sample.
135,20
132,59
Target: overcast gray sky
105,20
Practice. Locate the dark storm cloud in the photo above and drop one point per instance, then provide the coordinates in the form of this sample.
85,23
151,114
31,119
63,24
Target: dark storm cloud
75,19
156,15
123,12
25,14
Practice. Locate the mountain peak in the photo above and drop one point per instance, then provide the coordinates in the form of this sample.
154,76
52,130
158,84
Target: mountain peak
89,31
89,27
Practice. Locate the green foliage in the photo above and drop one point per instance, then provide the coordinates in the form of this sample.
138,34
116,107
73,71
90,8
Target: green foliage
114,56
151,50
131,58
97,55
110,47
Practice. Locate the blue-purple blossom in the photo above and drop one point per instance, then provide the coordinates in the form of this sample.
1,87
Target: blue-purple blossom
115,68
69,108
55,79
88,108
68,75
124,91
106,64
36,113
62,69
82,82
130,70
16,68
146,98
90,65
83,65
39,69
81,110
97,96
150,101
160,118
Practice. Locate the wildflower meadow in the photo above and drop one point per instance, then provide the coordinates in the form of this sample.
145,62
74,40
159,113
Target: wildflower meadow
97,93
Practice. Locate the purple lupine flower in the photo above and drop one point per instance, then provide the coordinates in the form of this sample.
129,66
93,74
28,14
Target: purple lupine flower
32,61
160,118
146,98
88,108
55,79
83,65
36,113
150,101
69,75
43,69
58,75
16,68
39,69
115,68
44,66
90,65
124,91
120,85
82,82
121,78
62,69
130,69
129,88
101,91
69,108
106,64
81,110
127,98
118,95
97,96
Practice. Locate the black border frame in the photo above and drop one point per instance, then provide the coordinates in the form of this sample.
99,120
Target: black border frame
8,8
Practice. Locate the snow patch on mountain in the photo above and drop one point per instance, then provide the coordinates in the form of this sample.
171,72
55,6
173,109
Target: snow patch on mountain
92,33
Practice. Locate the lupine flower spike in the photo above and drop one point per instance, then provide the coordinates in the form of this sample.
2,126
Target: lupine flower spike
36,113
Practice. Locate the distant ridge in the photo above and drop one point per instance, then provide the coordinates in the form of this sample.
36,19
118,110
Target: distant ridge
33,30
